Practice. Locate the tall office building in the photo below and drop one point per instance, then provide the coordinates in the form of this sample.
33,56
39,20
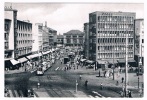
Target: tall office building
86,41
108,32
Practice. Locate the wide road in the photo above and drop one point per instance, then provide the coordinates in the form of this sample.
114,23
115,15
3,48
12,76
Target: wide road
59,83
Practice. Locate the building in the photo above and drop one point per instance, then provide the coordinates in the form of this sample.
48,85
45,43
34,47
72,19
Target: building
139,36
52,38
18,40
86,43
74,39
107,35
60,39
24,38
10,39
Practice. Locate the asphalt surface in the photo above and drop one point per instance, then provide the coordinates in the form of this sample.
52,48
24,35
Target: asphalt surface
56,82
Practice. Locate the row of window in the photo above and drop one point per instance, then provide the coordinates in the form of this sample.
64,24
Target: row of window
74,36
24,27
116,18
115,55
113,40
25,51
24,41
115,26
24,35
122,47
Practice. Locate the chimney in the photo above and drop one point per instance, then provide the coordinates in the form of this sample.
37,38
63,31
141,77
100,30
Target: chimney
45,24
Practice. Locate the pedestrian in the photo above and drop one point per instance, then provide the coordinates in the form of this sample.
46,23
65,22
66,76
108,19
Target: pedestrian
80,77
86,82
117,83
122,79
129,94
101,86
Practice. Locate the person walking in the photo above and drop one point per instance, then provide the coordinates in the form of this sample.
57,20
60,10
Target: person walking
122,79
86,82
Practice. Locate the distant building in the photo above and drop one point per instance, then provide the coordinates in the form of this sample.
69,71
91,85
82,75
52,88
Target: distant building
52,38
60,39
74,38
107,36
139,39
86,43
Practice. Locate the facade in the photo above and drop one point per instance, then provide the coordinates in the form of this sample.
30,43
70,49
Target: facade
86,43
52,38
107,35
60,39
10,31
139,39
24,38
74,38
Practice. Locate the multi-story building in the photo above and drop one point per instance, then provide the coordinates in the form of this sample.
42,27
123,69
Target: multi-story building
74,38
108,32
18,39
24,38
60,39
139,39
52,38
86,43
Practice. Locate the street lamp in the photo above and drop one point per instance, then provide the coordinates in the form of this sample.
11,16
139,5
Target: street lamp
126,67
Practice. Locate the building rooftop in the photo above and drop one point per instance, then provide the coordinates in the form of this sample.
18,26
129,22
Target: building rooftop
74,32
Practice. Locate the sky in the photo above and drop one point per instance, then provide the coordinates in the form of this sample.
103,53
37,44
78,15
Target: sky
64,17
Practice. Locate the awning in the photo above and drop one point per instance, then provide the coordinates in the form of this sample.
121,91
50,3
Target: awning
82,60
123,60
44,53
33,56
22,59
14,62
102,61
89,61
112,61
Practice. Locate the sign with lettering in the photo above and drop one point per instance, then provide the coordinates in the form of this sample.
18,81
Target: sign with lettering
106,13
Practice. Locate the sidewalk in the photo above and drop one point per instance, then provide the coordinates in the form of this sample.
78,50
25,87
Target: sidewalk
93,78
20,70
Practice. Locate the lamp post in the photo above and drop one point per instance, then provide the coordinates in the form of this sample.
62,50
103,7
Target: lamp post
126,67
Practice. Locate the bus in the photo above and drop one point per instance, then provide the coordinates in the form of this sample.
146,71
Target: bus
40,71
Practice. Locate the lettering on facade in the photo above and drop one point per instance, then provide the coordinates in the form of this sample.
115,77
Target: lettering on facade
105,13
8,7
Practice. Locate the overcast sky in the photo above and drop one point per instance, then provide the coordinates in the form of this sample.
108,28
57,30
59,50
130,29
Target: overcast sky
66,16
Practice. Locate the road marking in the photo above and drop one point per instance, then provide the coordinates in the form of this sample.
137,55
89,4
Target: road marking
17,95
11,94
21,94
97,97
90,96
97,93
57,68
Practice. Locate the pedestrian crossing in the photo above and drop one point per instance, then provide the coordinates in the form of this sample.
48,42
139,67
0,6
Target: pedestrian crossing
51,93
15,93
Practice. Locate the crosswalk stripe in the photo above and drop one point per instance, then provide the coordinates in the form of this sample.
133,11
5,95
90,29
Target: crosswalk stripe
90,96
17,95
57,68
97,97
11,94
21,94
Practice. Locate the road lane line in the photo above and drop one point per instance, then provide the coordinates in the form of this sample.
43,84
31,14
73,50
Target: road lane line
97,93
57,68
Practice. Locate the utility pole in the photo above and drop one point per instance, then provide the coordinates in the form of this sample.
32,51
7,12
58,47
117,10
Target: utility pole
126,69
